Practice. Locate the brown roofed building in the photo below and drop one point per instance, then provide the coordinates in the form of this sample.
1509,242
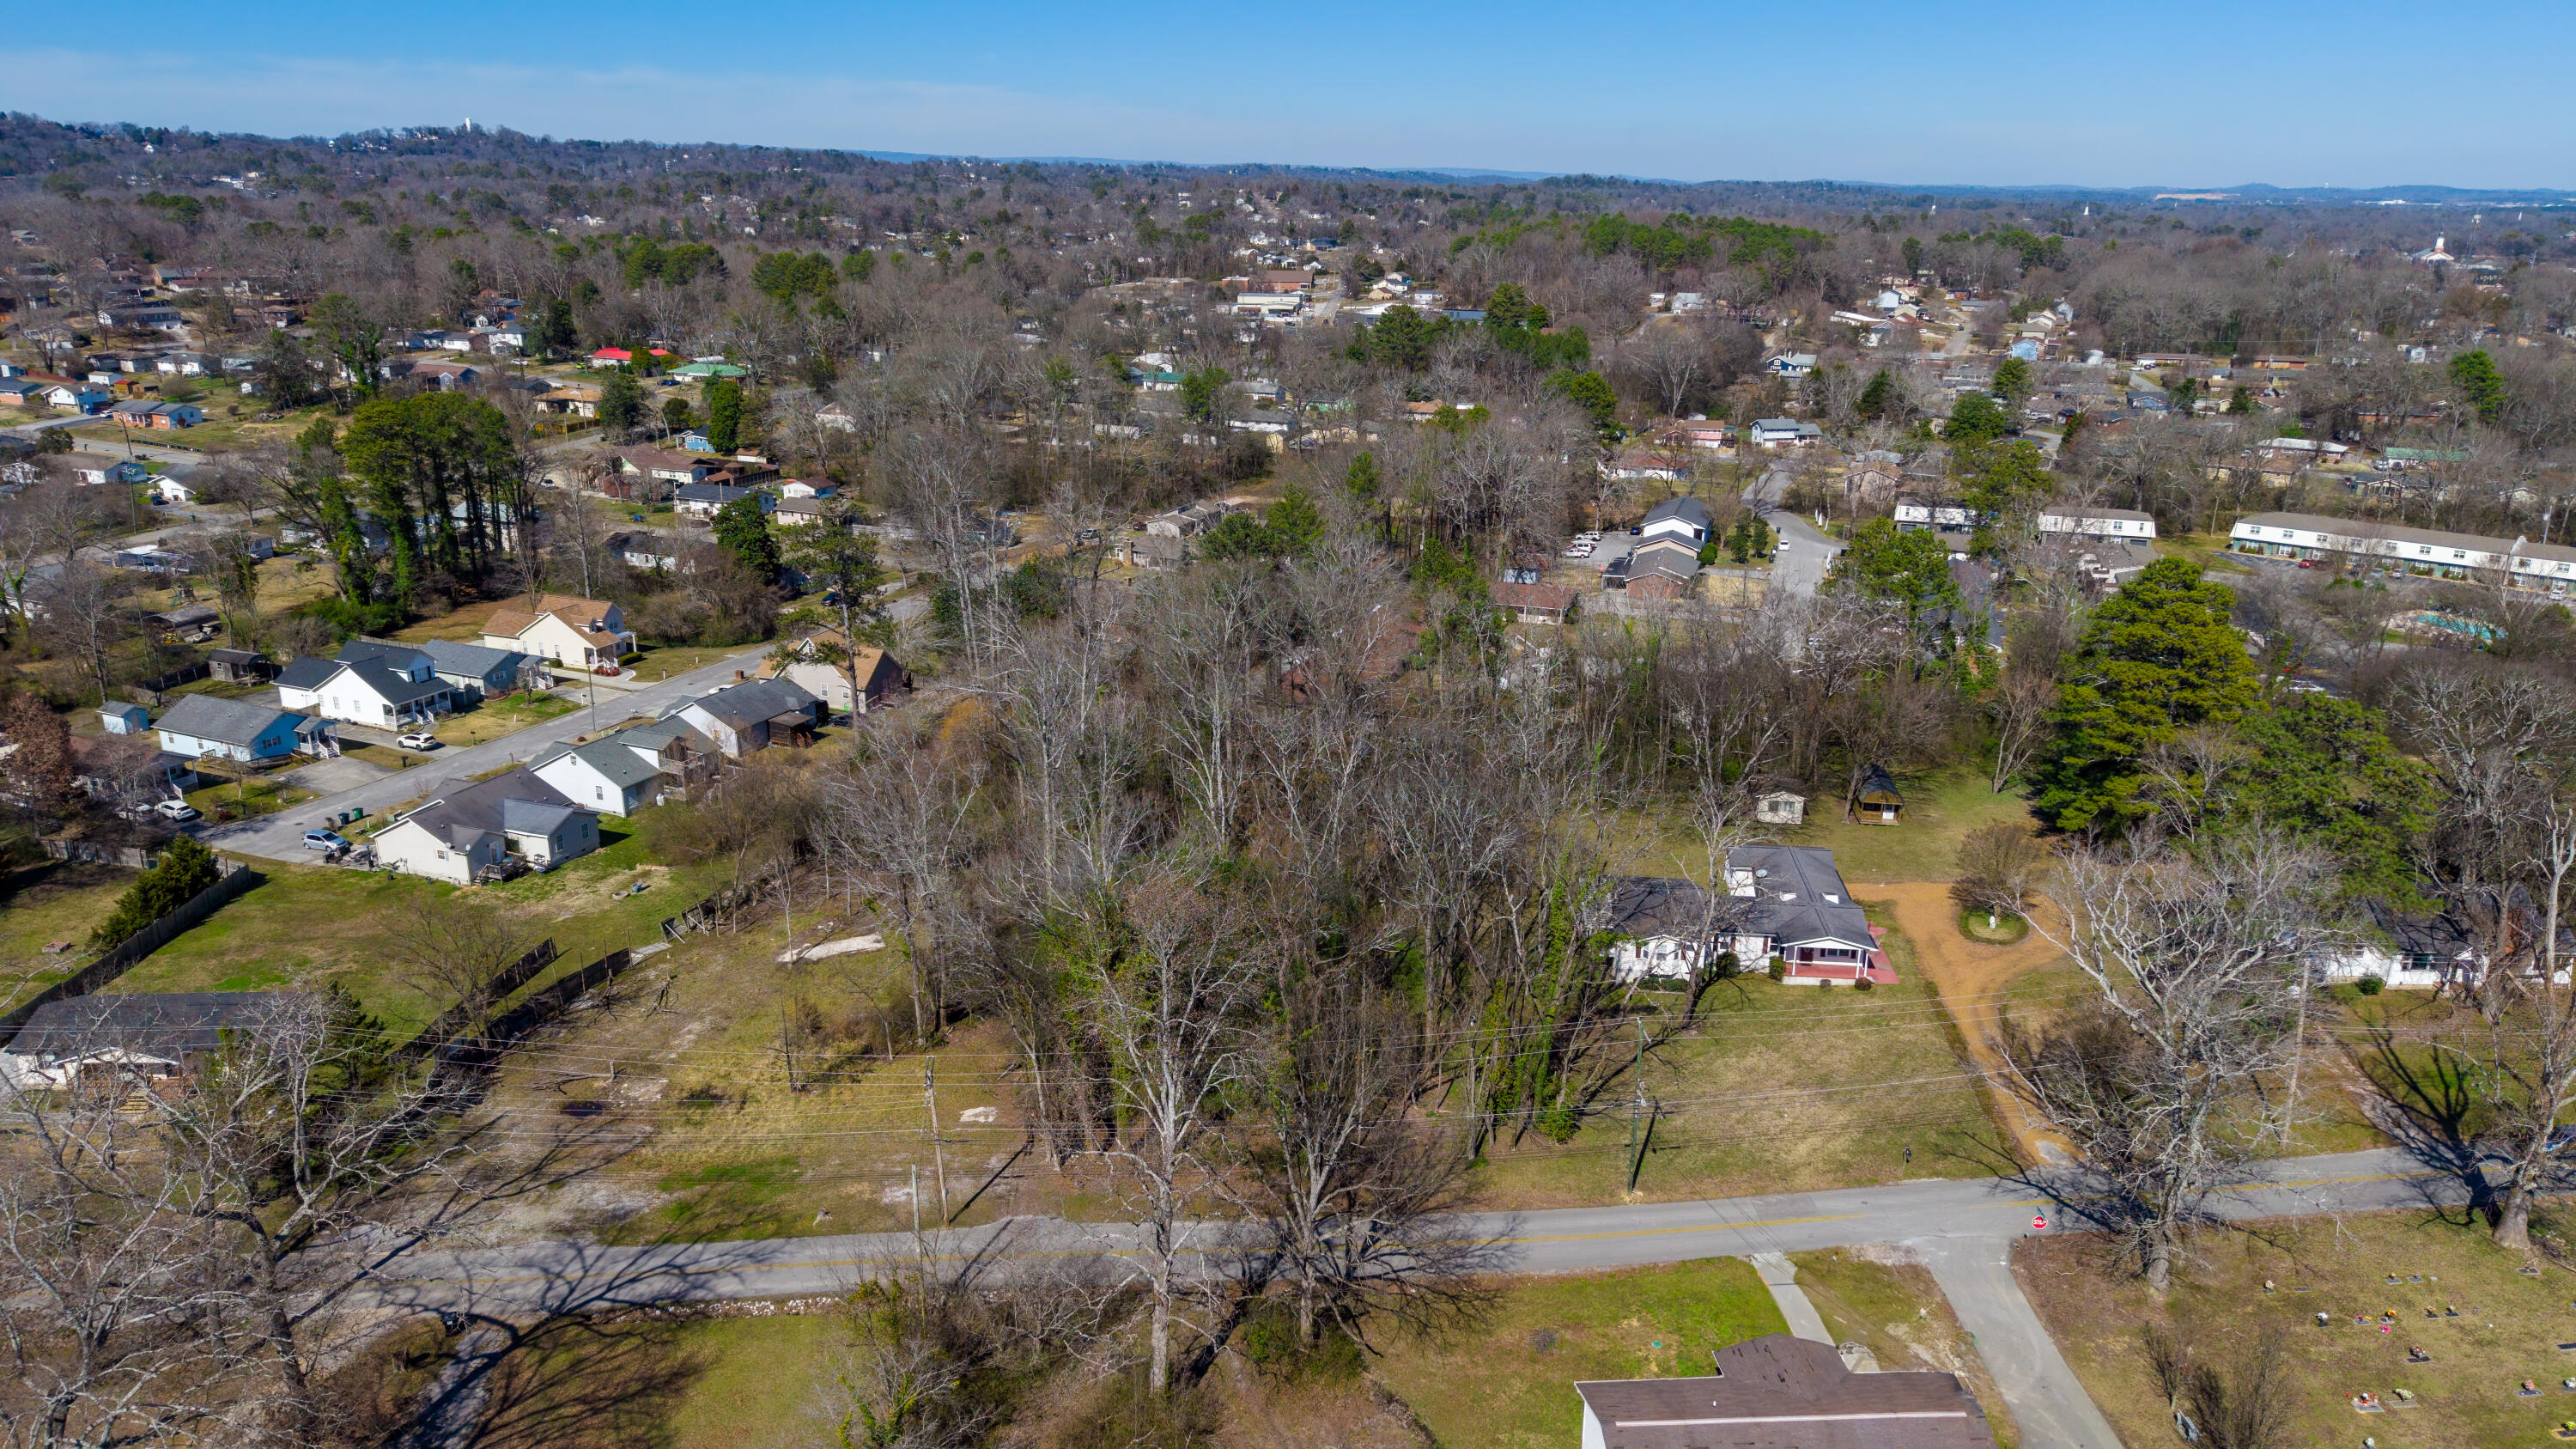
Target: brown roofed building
1780,1392
1534,603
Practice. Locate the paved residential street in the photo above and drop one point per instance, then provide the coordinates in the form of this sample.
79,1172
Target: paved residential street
1963,1229
1806,556
281,836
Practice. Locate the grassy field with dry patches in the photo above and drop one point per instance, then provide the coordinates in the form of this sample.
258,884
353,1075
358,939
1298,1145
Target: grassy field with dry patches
2509,1326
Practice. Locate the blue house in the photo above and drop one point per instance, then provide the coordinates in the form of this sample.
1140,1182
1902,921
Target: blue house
236,729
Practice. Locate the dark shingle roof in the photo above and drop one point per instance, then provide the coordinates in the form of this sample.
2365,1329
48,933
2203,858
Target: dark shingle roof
1778,1392
162,1024
307,672
755,700
613,758
453,656
517,801
1798,895
394,687
1688,510
1649,906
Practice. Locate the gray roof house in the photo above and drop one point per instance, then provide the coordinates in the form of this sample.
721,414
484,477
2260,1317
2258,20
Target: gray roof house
475,670
608,775
148,1033
1800,912
750,716
1682,518
236,729
471,828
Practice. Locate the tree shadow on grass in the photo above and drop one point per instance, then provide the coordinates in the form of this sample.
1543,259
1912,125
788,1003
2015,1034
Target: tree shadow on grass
2427,1102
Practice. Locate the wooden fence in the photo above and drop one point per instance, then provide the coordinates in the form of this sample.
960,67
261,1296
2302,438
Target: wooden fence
473,1053
236,878
132,857
456,1019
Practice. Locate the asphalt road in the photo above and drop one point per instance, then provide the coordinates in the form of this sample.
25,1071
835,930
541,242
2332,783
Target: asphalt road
1807,556
281,836
1963,1229
138,448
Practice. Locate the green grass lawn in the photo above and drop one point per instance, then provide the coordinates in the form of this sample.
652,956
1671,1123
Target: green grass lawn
1508,1382
461,623
746,1393
2209,550
1779,1089
302,924
52,900
2508,1330
231,800
661,661
310,924
494,718
1941,807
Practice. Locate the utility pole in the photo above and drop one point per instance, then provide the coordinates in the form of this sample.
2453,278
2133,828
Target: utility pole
1636,1106
938,1156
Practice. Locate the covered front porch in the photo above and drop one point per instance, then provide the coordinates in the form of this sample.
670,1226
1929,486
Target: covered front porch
1818,963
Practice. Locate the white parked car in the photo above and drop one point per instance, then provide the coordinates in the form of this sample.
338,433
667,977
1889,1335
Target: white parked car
420,740
179,810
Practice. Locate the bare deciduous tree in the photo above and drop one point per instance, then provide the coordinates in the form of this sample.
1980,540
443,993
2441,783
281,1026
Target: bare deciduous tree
2159,1081
1171,1012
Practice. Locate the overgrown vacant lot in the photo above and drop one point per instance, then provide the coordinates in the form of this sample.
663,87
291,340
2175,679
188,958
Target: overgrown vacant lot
2509,1329
1508,1382
687,1067
1778,1089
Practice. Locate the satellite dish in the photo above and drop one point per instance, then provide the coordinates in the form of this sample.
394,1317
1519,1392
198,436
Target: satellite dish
1761,873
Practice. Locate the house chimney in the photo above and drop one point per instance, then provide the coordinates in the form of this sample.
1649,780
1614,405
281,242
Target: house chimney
739,676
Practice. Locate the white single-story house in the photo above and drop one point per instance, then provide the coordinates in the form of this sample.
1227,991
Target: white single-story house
705,500
471,828
605,775
1686,519
128,1034
2100,523
1914,515
1784,903
1784,433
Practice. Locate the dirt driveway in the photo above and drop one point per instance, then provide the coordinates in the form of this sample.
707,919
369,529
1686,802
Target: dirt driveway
1971,978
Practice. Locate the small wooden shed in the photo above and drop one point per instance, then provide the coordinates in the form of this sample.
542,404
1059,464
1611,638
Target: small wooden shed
1879,801
241,666
1781,807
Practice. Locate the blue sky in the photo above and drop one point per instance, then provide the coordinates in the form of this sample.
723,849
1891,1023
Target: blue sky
2294,92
